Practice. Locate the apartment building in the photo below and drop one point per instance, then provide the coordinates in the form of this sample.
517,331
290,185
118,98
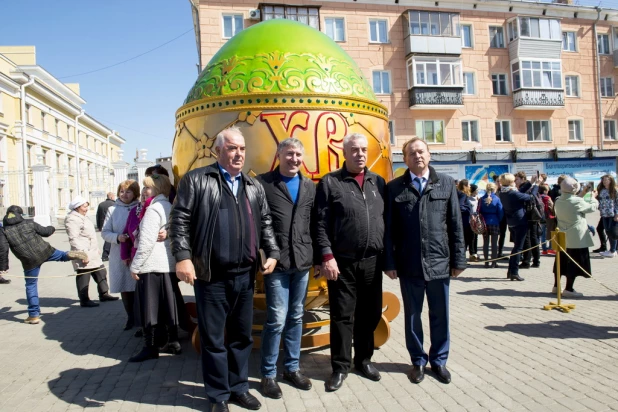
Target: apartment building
520,85
42,121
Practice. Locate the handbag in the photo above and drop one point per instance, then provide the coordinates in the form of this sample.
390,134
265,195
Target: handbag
477,222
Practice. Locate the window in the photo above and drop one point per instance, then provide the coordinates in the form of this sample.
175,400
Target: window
571,84
609,129
434,72
575,130
232,24
434,23
537,74
466,35
391,130
381,82
498,82
468,81
503,131
538,131
335,28
470,130
42,120
568,41
58,162
496,37
607,87
57,128
378,31
513,30
432,131
537,28
603,43
27,114
307,15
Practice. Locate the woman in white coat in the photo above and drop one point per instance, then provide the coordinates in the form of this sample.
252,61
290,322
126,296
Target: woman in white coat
83,237
113,232
152,267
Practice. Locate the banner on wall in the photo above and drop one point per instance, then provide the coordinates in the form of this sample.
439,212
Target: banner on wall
480,175
451,170
582,170
530,168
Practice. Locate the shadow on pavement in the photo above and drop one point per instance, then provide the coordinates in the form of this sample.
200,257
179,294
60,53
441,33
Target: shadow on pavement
564,329
527,294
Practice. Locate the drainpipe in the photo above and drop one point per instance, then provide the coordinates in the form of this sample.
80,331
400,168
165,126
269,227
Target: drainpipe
599,102
24,147
78,167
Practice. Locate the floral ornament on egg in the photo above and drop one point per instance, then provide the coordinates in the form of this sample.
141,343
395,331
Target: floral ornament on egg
204,147
249,117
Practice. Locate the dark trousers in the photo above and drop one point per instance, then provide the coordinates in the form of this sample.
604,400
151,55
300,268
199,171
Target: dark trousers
469,238
502,237
519,238
494,245
83,281
474,246
355,300
225,316
413,291
532,241
602,234
106,248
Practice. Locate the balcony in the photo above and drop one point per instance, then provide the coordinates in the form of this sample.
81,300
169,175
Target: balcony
436,98
431,32
538,99
535,48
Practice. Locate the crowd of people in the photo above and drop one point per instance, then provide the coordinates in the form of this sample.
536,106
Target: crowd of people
353,227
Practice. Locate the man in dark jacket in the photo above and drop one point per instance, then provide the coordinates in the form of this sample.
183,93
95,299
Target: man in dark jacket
534,227
219,223
290,198
101,213
424,247
4,257
349,241
25,239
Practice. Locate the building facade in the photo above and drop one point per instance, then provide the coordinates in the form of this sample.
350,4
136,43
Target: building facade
42,121
508,83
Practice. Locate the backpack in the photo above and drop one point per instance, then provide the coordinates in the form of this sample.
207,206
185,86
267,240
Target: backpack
535,209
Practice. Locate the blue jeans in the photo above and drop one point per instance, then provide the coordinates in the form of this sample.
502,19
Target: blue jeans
608,224
544,237
285,299
32,291
413,291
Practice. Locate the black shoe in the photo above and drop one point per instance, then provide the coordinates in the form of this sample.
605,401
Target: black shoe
219,407
270,388
486,265
106,297
418,374
297,379
171,347
441,373
369,371
508,275
105,259
246,400
524,266
516,277
599,250
145,354
335,381
4,281
536,265
88,304
129,324
494,265
139,333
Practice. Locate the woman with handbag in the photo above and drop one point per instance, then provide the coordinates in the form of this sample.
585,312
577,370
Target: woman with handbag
571,212
608,206
474,203
490,208
463,192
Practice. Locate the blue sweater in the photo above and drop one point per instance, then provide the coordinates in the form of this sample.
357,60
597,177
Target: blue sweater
514,204
493,212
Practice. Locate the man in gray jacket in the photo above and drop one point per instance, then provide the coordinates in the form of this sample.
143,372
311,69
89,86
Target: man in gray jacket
424,247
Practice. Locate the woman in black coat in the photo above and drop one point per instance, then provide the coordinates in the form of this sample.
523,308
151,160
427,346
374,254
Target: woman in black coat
463,191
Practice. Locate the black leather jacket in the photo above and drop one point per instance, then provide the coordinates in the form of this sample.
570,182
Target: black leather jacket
442,237
195,212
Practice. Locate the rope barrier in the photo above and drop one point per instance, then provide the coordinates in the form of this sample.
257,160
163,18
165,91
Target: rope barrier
50,277
515,254
562,250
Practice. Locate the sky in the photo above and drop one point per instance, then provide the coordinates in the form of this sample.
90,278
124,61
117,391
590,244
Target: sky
138,98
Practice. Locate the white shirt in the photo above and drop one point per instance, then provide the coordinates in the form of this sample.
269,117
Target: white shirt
424,179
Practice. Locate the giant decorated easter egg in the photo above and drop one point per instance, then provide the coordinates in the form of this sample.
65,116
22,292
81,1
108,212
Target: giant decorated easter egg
279,79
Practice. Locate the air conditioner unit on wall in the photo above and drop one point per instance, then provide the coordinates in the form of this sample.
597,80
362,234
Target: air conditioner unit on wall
254,14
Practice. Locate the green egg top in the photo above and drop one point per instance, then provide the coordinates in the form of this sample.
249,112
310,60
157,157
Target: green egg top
281,57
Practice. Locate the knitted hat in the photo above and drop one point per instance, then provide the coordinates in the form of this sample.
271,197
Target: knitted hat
77,202
569,185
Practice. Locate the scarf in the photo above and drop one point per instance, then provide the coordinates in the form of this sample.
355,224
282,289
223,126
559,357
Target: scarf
141,211
506,189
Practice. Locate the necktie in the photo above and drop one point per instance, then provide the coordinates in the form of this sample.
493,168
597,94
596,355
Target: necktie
418,185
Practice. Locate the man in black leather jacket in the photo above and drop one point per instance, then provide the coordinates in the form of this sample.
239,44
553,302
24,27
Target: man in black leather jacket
219,224
424,247
349,243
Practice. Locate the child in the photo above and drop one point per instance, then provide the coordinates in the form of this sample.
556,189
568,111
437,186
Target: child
25,239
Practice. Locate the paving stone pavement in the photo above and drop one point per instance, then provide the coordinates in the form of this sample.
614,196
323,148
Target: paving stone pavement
507,354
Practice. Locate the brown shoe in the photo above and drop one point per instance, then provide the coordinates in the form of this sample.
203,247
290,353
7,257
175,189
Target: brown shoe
77,255
32,320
